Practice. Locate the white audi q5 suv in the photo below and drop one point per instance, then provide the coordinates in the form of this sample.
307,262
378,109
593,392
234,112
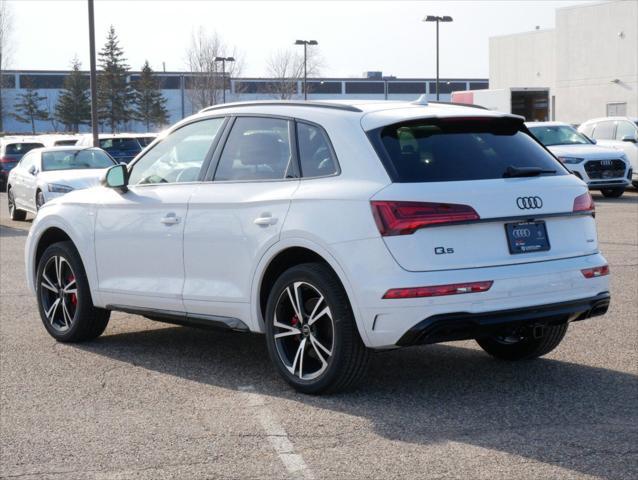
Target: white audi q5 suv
333,229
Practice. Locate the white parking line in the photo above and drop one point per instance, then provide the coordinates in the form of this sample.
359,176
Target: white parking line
276,435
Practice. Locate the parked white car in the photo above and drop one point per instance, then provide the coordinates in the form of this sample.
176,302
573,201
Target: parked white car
333,229
601,168
617,132
58,139
47,173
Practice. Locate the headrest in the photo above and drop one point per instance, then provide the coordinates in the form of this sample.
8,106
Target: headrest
259,148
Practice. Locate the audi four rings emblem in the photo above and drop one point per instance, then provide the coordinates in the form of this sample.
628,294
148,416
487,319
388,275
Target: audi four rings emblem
529,203
522,233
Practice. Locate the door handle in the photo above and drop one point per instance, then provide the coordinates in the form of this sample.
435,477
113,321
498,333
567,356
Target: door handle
265,220
170,219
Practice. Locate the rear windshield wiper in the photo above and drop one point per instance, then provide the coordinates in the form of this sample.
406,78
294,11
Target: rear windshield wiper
513,171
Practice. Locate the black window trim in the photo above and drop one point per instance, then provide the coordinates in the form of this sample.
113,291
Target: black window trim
207,159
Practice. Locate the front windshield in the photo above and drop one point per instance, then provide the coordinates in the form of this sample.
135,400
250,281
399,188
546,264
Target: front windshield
559,135
75,159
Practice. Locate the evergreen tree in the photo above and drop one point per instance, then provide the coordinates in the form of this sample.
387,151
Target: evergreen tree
115,95
27,107
150,104
74,105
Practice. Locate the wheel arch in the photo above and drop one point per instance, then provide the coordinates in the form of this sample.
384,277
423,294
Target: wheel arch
285,255
49,229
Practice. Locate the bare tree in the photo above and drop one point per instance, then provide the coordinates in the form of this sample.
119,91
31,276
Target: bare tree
286,69
6,28
205,84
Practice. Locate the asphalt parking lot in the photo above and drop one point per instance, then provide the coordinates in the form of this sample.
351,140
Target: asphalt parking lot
151,401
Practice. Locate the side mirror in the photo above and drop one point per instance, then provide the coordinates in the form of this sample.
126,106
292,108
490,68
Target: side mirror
629,138
32,170
116,177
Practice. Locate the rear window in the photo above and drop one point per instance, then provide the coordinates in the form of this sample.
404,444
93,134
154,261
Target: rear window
444,150
21,148
75,159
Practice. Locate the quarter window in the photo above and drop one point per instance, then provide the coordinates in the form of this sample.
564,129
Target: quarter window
179,157
315,154
604,131
257,149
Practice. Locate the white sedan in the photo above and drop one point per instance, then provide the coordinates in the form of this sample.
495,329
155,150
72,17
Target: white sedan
46,173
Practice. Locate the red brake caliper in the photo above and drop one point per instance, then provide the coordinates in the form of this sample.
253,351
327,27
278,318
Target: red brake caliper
294,322
74,297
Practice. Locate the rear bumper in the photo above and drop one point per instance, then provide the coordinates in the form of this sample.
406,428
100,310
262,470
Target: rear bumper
464,325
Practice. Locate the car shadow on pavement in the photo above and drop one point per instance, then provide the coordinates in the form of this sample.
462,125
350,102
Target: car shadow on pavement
572,416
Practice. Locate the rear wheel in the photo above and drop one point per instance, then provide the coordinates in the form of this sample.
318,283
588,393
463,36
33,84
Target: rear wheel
14,213
64,297
311,333
524,346
612,192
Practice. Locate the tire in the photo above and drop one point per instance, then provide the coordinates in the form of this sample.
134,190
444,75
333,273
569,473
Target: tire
526,347
334,354
39,200
75,318
14,212
635,184
612,192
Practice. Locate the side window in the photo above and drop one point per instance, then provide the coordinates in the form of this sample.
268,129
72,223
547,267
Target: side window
625,129
315,154
604,131
257,149
179,157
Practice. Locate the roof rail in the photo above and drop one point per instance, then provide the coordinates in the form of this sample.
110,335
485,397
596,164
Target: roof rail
285,103
456,104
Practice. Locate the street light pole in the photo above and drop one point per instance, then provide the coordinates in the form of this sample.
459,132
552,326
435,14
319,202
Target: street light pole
437,19
224,60
305,44
93,77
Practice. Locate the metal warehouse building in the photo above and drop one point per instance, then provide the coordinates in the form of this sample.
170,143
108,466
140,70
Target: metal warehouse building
589,61
175,87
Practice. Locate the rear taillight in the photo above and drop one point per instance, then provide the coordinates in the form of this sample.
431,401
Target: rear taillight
404,218
584,203
438,290
596,271
6,160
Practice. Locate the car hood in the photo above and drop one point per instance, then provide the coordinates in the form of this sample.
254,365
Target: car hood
588,152
77,179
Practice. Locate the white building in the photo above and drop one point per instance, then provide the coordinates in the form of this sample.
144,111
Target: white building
589,61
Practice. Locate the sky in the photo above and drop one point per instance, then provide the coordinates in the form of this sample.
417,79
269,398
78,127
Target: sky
353,36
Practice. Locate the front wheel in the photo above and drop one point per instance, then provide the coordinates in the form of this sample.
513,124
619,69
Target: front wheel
612,192
311,333
14,212
524,346
64,297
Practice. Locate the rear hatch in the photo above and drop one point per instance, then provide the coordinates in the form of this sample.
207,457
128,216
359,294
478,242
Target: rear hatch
475,192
